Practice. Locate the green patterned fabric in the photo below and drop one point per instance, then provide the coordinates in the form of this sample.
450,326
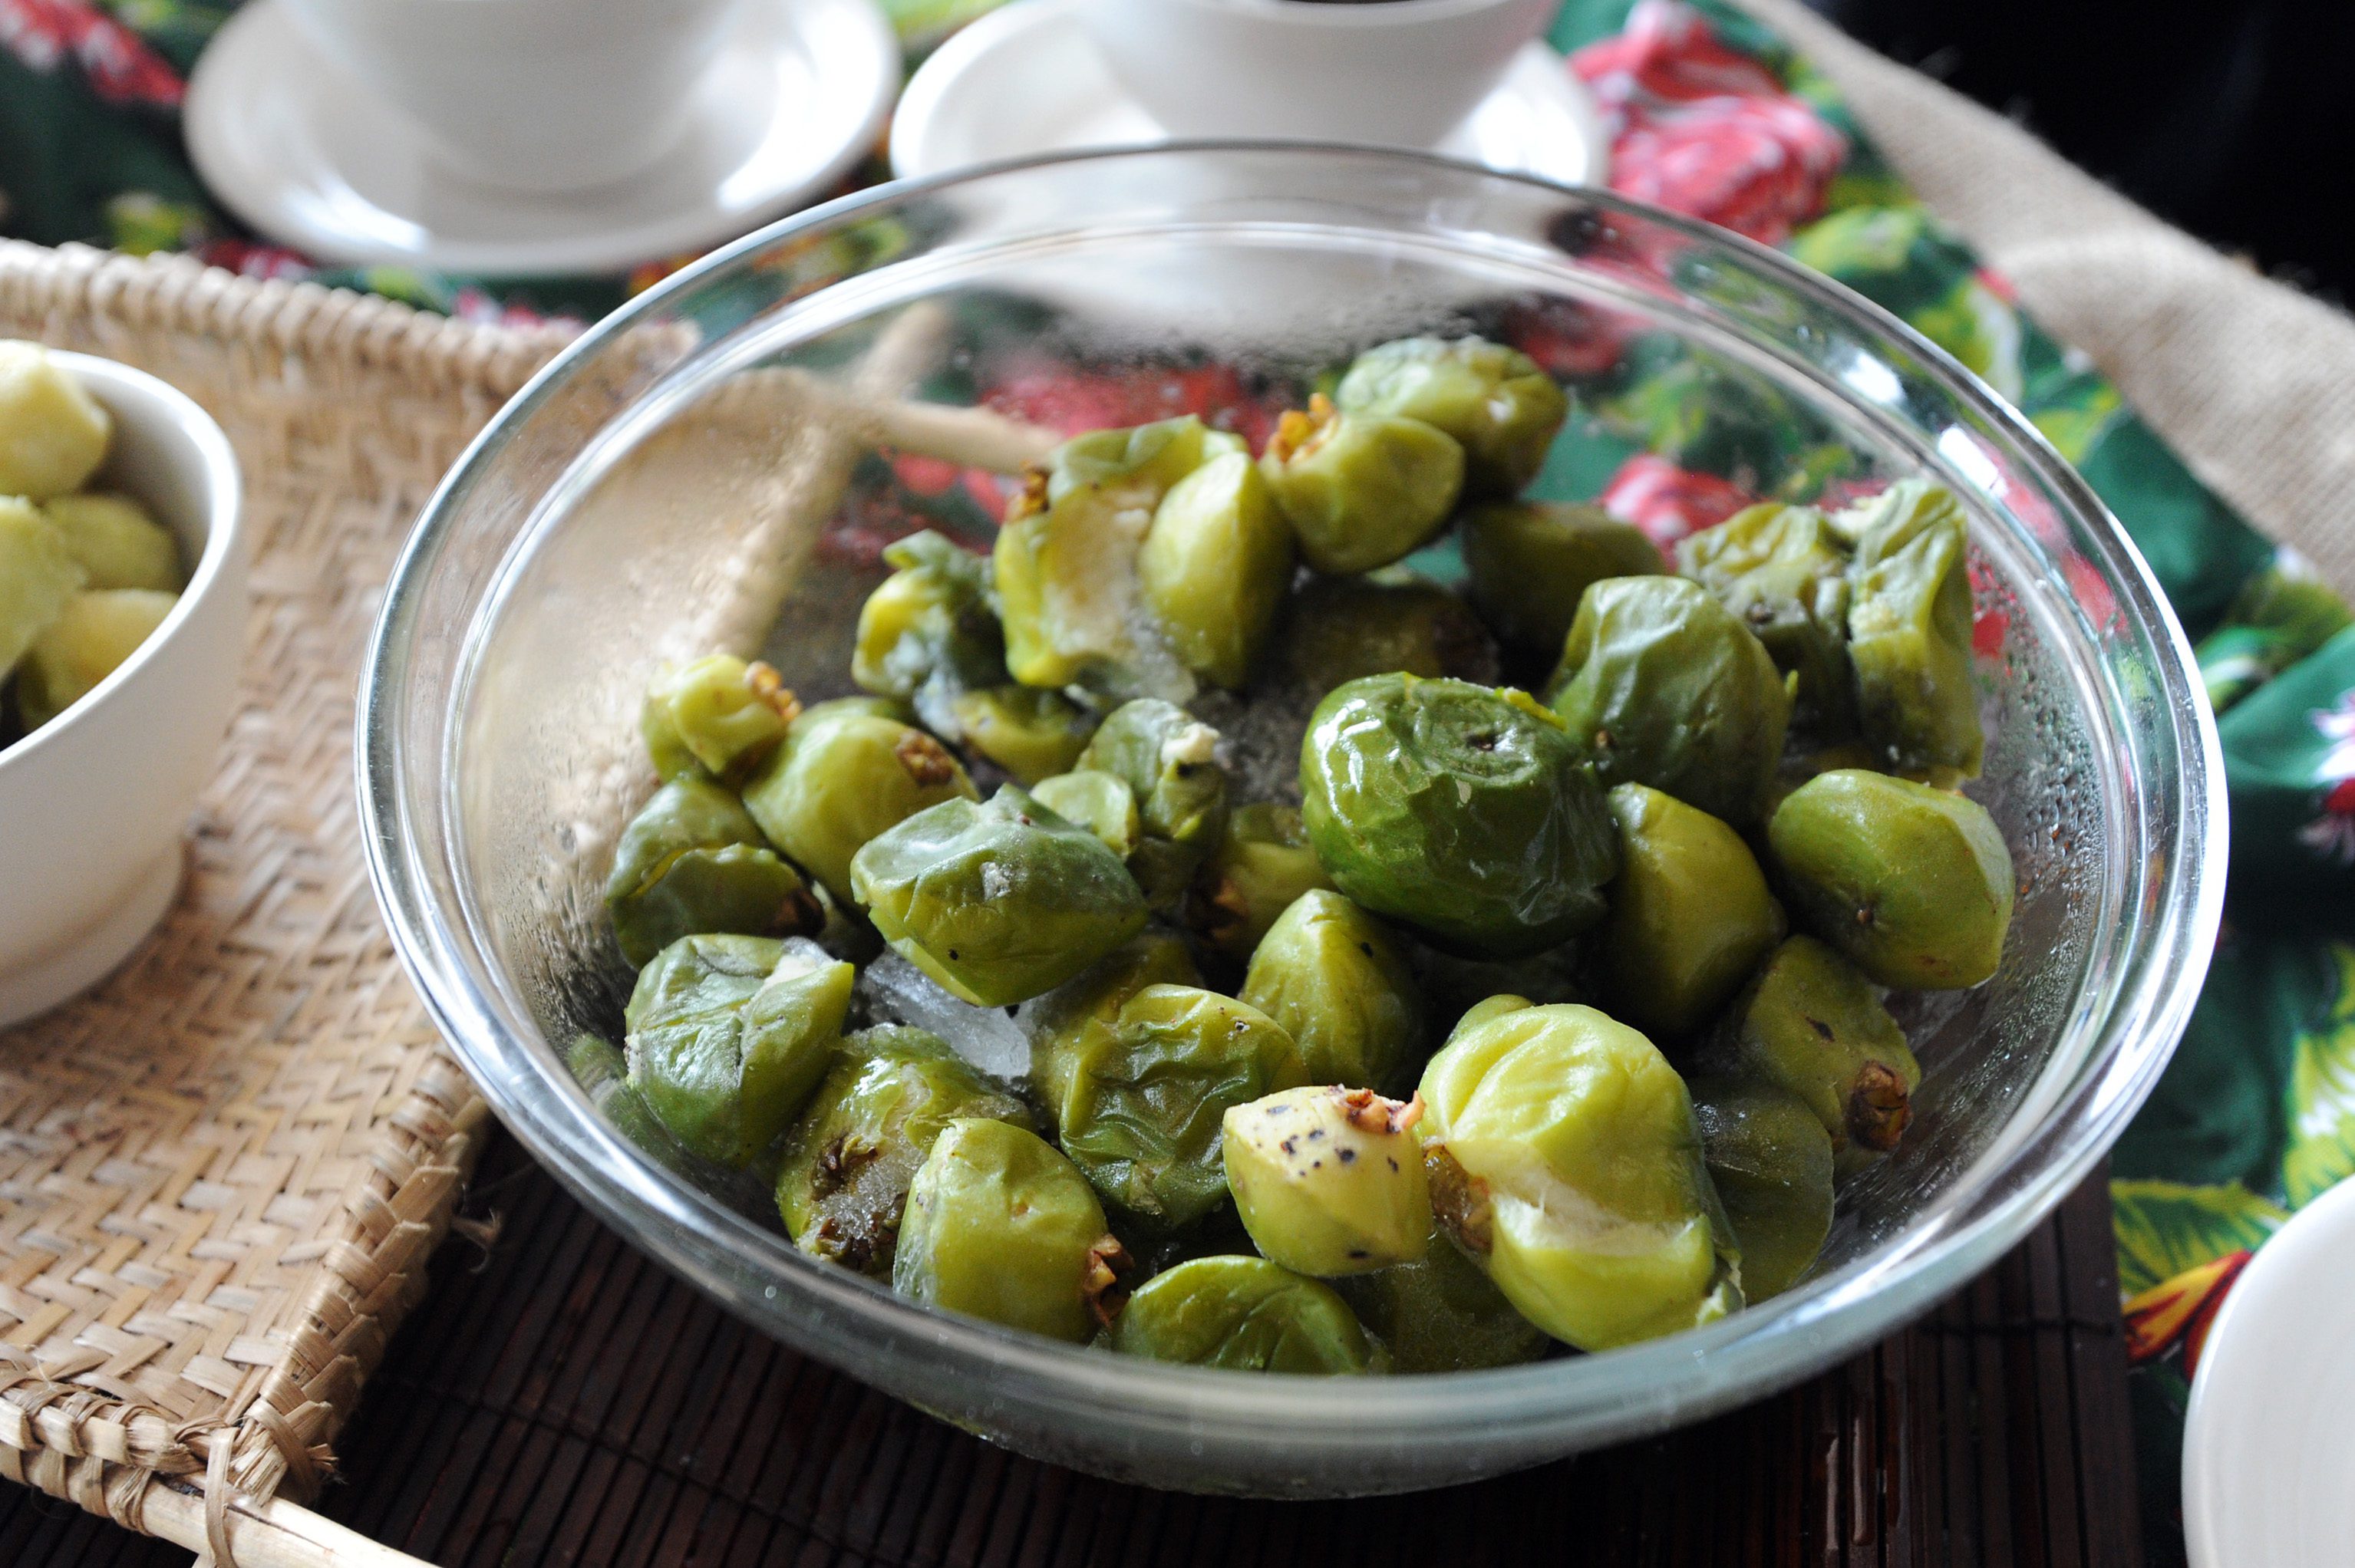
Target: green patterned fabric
1714,116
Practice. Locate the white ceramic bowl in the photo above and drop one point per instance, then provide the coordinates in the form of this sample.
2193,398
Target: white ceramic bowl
1399,73
93,803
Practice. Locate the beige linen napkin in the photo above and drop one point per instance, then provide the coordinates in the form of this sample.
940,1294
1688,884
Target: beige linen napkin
2251,382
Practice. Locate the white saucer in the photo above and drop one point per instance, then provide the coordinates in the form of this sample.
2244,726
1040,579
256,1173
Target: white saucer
1027,79
2269,1445
306,156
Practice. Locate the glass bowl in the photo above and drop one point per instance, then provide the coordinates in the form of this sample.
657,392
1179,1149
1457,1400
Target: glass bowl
701,473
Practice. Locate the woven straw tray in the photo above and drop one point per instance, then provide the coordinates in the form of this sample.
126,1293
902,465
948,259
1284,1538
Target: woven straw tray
223,1172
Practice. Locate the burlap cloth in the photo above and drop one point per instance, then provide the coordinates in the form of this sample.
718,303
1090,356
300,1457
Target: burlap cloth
2253,382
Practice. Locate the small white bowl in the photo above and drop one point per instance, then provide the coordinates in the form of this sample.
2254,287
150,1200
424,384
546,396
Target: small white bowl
1387,73
93,803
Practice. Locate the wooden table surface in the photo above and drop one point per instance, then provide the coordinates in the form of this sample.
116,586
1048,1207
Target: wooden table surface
565,1402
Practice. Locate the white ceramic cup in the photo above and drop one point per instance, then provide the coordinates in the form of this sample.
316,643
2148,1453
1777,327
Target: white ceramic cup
93,804
530,95
1391,73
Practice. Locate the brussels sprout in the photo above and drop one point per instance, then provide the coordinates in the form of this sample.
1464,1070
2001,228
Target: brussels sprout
1244,1314
693,862
1066,560
38,576
89,640
1331,976
1441,1314
1392,622
1691,916
1661,685
1810,1025
1263,862
1329,1180
117,542
997,903
1909,628
1031,733
1531,562
1101,802
1565,1161
1170,761
1459,810
1137,1099
886,1096
602,1073
53,433
1781,571
717,714
1913,883
1000,1226
1361,491
1147,459
729,1035
842,778
929,633
1772,1162
1215,567
1495,400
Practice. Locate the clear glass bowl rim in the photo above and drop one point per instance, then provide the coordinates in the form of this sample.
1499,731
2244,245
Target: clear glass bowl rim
1553,1406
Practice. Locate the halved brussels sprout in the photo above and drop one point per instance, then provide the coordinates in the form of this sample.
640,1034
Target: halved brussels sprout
1494,401
1215,567
1565,1161
1691,916
53,433
887,1098
1066,560
1909,627
998,1225
1329,1180
117,542
1138,1100
1532,561
91,636
1244,1314
1263,864
693,862
842,778
1772,1162
729,1036
717,714
1782,572
1170,761
1333,979
1913,884
1361,491
1659,684
1810,1025
1459,810
998,902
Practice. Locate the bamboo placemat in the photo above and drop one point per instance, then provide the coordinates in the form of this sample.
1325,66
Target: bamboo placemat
223,1172
565,1402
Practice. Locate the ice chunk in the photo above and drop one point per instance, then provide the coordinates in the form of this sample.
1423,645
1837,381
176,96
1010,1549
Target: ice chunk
896,991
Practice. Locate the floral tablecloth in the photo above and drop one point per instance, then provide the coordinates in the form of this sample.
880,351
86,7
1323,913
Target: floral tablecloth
1714,116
